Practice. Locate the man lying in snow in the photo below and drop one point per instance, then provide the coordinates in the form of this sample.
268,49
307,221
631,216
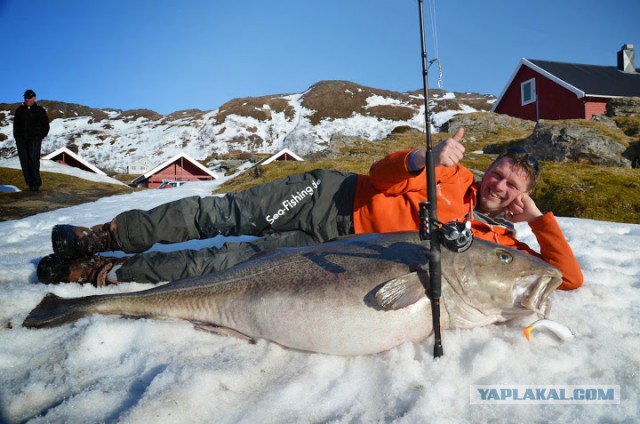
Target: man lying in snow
310,208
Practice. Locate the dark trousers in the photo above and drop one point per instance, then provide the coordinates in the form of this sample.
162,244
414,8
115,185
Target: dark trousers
299,210
29,154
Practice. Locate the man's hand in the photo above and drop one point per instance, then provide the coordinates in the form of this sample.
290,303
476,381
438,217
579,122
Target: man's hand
447,153
522,209
450,151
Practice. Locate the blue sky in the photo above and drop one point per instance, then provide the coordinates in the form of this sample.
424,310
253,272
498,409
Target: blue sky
174,55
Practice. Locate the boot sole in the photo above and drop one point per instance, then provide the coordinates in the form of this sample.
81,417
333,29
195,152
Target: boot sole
65,242
51,269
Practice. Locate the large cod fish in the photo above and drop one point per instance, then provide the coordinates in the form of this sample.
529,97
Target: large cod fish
360,295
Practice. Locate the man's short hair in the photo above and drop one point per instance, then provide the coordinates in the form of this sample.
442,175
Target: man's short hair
522,160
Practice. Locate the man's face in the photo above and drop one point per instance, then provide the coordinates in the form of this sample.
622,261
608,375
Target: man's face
29,101
501,184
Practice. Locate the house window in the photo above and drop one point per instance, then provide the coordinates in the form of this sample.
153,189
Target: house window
528,91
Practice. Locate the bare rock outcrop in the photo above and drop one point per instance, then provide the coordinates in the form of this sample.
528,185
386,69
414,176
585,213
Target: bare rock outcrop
563,141
624,106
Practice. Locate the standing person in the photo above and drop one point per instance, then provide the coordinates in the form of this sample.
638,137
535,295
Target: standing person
311,208
30,126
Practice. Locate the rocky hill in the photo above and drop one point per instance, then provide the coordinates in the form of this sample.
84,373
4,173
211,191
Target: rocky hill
303,122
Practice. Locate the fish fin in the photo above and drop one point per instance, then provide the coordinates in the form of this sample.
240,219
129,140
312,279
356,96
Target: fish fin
400,292
224,331
53,311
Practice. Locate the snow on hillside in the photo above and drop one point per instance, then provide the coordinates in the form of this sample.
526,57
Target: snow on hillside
123,138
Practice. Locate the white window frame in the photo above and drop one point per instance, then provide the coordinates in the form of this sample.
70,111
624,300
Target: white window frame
531,83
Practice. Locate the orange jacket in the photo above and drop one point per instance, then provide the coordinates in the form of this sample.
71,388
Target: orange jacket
388,199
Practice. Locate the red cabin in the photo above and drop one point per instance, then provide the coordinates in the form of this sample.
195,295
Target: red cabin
180,168
67,157
541,89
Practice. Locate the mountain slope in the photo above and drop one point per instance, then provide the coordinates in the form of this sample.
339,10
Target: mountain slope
303,122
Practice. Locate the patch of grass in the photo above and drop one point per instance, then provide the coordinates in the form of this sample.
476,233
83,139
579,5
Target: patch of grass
125,178
57,191
54,181
589,191
630,125
504,136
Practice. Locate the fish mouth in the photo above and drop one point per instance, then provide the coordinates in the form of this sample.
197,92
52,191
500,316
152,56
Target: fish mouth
537,297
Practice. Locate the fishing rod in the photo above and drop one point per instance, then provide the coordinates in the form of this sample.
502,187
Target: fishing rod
456,236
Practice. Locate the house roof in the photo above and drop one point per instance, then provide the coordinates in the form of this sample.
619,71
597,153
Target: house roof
593,80
163,165
64,151
277,155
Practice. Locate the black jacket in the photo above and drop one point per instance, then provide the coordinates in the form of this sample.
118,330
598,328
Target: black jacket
30,123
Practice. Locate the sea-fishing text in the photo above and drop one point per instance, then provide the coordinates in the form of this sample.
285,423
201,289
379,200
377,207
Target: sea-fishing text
290,203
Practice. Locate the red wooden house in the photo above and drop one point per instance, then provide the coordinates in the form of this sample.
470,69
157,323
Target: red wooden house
540,89
180,168
67,157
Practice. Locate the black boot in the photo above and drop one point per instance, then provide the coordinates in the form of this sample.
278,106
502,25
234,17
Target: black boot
70,241
53,269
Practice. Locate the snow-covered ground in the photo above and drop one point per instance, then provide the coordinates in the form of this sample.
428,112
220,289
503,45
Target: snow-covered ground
110,369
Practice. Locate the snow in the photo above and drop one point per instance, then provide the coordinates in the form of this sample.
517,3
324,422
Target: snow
376,100
118,141
110,369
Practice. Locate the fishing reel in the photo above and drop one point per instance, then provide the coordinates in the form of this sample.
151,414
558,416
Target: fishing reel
456,236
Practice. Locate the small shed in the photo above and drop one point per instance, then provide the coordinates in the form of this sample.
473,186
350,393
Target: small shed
181,167
67,157
540,89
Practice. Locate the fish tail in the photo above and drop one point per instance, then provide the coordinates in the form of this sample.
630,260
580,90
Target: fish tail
53,311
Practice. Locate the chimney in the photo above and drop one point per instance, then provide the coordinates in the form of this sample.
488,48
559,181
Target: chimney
626,59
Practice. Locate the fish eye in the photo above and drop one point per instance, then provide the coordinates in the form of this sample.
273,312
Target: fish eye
504,256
